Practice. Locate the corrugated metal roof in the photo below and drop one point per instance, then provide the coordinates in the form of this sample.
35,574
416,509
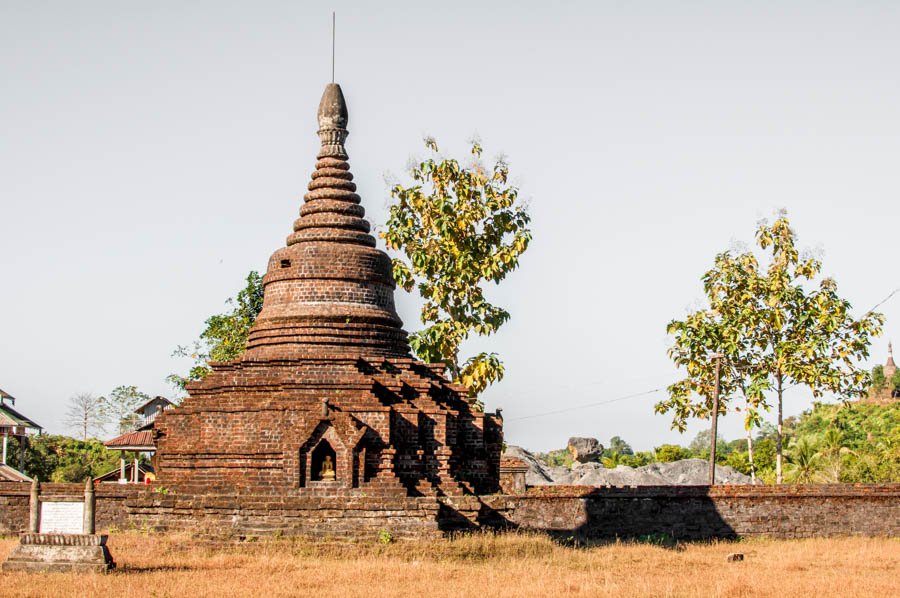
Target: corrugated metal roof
9,474
140,440
11,417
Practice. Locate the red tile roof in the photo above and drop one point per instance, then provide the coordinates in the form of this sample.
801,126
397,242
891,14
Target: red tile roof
132,440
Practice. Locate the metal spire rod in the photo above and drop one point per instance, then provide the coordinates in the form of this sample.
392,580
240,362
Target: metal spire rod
333,26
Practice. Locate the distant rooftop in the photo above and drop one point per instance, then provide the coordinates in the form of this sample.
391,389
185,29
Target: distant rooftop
8,474
141,440
10,418
163,401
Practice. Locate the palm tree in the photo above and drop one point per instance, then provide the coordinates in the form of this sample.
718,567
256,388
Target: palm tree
803,460
830,452
612,460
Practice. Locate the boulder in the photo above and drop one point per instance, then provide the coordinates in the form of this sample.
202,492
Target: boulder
584,450
538,473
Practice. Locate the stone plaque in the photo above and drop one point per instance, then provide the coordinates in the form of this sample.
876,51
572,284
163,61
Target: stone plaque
62,517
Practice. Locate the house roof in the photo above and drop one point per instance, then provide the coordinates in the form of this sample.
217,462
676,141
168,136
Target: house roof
10,418
8,474
141,440
6,395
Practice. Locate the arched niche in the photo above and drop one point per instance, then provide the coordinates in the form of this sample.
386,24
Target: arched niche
322,458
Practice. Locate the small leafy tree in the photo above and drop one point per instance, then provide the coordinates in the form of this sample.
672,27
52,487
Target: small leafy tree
775,327
724,328
668,453
458,228
878,379
618,445
225,335
120,405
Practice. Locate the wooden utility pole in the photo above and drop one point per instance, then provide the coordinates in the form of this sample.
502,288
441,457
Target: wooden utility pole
715,419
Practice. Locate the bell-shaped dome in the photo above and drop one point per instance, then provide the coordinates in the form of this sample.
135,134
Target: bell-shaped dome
329,291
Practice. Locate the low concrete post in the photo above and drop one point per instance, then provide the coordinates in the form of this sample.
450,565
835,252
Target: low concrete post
34,508
89,506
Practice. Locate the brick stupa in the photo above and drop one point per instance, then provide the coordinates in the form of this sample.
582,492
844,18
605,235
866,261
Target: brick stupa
326,400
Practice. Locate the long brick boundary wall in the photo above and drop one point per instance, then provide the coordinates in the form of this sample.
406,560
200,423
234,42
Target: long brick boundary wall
697,512
687,512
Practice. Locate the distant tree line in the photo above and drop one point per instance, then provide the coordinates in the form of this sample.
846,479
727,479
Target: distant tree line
52,458
830,443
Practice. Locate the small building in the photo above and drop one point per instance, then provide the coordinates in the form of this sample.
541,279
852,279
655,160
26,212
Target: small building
139,441
13,423
143,474
149,411
136,442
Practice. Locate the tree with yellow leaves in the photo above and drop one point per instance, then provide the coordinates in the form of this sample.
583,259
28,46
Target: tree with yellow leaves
777,324
458,228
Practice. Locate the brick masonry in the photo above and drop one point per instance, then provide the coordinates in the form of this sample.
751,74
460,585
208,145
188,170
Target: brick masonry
327,376
690,512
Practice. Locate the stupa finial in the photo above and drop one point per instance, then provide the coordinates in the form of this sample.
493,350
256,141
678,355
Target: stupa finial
333,118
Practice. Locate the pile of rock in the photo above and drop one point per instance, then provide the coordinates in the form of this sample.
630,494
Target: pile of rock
687,472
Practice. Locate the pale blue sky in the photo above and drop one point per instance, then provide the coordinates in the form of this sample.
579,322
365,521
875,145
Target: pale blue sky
153,153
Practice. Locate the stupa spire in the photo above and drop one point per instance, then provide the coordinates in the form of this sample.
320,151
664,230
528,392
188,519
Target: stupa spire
890,365
329,289
332,211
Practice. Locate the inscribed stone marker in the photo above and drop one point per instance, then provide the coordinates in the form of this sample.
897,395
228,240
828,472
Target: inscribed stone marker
62,517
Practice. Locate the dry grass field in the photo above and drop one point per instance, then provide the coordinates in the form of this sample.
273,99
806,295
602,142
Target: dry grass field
481,565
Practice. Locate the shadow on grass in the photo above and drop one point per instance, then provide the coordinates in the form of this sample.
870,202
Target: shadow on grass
662,540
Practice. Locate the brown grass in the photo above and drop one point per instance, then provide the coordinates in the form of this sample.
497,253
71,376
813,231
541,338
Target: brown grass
482,566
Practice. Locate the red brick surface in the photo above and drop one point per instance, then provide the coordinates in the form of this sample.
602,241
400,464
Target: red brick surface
328,361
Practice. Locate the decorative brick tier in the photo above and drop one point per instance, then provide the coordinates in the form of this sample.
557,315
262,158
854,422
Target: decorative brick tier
326,401
396,428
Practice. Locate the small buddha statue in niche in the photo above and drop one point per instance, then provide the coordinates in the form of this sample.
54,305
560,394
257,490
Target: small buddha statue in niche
327,472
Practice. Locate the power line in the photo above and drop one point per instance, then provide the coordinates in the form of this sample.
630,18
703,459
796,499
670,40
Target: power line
883,301
586,405
655,390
